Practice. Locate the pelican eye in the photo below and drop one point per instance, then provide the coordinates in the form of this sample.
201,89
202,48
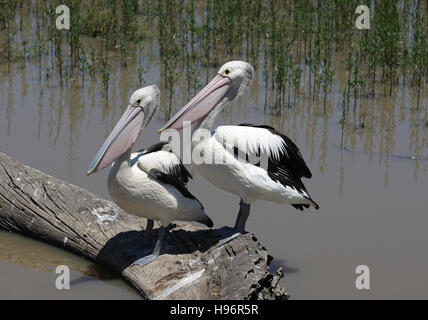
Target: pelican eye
227,71
138,101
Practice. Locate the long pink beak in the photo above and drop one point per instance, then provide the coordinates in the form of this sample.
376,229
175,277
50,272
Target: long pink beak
201,104
120,140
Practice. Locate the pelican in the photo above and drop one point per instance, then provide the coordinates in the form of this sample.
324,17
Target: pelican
150,183
275,176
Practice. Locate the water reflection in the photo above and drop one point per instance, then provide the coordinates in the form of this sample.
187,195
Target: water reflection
18,250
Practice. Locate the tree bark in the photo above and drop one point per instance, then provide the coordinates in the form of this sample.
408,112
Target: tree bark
191,264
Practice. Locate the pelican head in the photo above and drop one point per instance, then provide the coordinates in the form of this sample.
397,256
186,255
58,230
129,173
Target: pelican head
140,110
231,81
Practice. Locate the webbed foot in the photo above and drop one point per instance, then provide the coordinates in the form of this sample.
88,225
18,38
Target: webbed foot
145,260
226,234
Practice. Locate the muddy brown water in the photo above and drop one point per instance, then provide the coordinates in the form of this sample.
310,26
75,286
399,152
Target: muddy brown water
28,271
370,180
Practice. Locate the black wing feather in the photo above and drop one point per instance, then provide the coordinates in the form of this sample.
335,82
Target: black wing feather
178,170
174,181
156,147
181,173
292,159
178,175
289,168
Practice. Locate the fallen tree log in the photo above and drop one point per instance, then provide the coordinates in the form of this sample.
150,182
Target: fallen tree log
191,264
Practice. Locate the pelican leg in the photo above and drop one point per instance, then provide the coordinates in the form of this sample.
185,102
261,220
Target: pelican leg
148,231
239,228
241,220
133,251
147,259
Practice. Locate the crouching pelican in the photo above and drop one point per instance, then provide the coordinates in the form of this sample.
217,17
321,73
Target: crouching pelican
275,176
150,183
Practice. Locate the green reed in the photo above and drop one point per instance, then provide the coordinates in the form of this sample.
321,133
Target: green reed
7,15
105,72
418,50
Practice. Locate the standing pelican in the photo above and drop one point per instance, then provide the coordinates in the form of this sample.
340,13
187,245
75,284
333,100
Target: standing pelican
150,183
276,176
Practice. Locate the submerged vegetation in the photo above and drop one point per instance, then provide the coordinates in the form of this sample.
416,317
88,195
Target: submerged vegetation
290,43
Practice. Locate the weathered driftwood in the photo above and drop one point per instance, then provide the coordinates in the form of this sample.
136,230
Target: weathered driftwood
191,265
